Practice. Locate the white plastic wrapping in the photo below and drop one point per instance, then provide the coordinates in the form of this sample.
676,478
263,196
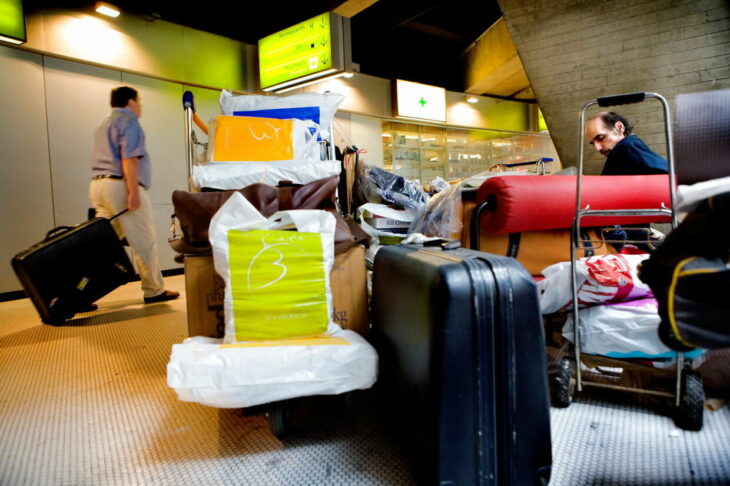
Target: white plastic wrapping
689,197
201,370
620,330
326,102
236,175
603,278
239,214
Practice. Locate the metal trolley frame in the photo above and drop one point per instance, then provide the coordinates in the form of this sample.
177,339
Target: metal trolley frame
688,395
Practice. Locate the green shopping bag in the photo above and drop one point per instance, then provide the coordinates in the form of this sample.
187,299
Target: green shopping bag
276,271
278,284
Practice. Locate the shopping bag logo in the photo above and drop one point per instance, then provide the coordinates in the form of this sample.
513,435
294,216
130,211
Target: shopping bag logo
278,284
266,132
262,254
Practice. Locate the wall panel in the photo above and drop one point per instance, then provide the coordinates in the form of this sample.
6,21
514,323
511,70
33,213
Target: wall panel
78,98
26,206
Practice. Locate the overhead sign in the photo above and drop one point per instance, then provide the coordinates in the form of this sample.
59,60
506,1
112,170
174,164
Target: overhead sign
415,100
12,21
305,50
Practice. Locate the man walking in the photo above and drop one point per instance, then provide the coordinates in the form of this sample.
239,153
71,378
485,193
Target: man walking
121,176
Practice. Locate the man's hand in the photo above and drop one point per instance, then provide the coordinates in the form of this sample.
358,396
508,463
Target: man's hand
133,201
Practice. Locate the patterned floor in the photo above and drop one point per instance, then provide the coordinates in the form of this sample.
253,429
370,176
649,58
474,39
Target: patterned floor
87,404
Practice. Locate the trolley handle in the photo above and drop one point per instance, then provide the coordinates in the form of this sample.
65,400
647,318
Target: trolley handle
624,99
64,229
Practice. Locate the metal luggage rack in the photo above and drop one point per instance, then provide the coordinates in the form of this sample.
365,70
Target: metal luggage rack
688,393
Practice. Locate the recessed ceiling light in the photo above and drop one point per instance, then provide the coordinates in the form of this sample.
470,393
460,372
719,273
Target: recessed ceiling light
107,9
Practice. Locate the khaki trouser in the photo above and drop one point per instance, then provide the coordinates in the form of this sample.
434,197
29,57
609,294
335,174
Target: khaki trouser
109,197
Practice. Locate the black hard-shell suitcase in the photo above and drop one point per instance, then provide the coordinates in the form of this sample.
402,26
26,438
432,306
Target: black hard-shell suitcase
463,363
72,267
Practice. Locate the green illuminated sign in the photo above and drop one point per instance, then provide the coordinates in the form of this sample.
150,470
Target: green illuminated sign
12,21
301,50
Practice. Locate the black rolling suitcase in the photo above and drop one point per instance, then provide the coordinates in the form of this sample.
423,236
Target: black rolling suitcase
463,364
72,267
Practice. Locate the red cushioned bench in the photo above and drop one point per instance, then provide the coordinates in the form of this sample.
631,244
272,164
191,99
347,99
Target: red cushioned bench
529,217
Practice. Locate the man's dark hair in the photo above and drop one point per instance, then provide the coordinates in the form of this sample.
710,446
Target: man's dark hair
610,118
121,96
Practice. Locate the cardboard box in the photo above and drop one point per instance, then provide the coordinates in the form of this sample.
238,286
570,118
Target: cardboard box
205,290
348,281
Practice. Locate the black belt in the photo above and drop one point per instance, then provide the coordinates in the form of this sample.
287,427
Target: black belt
112,176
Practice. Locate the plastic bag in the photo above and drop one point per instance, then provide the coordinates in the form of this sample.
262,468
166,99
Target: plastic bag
202,370
621,330
441,217
231,176
326,102
237,138
600,279
277,281
439,184
377,185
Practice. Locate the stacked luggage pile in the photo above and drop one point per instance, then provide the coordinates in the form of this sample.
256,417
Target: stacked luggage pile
262,212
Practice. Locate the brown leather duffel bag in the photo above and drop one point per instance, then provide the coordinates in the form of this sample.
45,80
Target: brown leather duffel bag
194,210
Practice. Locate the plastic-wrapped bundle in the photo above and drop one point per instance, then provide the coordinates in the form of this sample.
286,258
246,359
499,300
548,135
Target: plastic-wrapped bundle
378,185
232,176
325,103
441,215
600,279
237,138
621,330
202,370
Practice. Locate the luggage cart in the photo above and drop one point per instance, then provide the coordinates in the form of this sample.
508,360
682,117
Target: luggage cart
688,393
277,413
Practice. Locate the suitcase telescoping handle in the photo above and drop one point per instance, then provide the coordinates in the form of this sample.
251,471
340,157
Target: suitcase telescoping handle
62,229
444,244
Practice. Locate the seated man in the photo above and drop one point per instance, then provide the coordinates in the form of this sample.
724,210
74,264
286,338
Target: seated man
626,154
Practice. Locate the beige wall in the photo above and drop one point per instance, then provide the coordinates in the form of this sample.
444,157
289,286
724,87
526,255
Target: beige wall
371,96
575,51
144,46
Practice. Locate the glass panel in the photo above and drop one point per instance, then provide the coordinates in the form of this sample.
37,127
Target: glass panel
425,152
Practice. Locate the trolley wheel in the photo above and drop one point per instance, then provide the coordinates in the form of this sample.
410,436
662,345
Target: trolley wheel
562,383
278,417
689,414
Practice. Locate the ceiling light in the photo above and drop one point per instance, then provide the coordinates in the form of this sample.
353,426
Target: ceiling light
471,99
107,9
290,87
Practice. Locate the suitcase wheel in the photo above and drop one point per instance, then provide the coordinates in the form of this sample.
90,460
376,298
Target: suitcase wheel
57,321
